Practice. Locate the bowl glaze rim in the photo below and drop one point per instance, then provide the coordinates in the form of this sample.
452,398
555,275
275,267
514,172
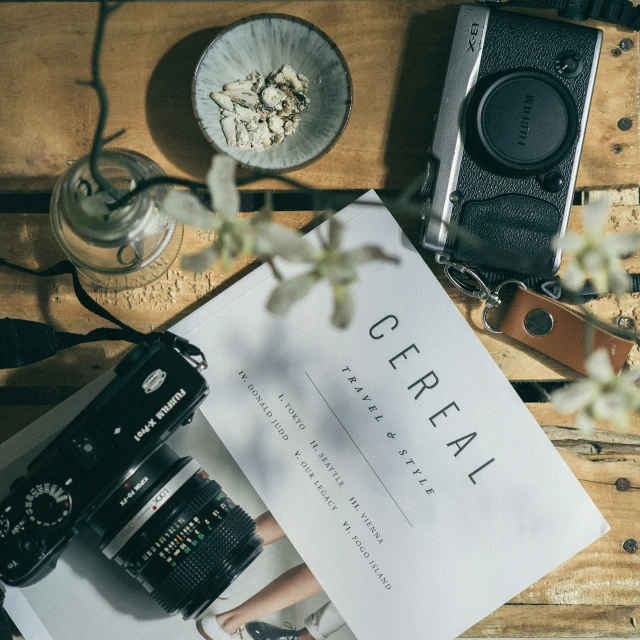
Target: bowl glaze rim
328,40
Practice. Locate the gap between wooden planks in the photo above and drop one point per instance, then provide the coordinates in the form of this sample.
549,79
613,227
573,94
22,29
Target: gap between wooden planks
28,241
396,51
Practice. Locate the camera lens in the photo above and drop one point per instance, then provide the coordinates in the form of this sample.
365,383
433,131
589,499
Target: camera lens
176,532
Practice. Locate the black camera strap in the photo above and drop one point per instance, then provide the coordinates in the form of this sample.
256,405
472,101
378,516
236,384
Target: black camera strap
24,341
622,12
552,287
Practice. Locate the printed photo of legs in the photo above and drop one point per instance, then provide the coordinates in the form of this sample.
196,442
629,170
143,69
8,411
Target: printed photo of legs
293,586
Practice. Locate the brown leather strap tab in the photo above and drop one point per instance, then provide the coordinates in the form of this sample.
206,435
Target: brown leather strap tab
559,332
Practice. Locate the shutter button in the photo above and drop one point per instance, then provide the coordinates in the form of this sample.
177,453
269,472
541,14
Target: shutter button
538,322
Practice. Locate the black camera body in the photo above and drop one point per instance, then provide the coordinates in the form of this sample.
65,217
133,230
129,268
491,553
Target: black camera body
508,139
158,515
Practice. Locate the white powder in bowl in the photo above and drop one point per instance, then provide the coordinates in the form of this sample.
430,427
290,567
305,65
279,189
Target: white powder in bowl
258,113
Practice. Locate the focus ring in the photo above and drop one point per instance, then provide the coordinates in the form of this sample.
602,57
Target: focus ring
204,560
204,496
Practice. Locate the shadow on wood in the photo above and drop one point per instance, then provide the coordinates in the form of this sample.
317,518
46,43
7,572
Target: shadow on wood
418,90
170,116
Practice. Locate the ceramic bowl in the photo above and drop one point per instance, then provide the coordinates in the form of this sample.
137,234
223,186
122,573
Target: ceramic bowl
265,42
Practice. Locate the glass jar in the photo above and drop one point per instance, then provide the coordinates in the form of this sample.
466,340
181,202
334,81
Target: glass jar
131,246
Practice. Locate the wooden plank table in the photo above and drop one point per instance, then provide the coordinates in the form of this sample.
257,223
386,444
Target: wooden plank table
397,52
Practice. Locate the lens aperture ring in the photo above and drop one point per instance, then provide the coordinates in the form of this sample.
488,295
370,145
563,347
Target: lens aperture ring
204,560
144,554
146,512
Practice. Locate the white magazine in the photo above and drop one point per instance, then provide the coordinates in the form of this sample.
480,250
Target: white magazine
399,461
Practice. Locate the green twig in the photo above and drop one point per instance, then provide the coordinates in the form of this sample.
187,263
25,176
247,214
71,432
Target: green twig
324,200
274,269
96,83
143,185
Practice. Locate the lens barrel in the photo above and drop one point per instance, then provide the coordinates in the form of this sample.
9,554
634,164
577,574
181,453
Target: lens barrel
177,533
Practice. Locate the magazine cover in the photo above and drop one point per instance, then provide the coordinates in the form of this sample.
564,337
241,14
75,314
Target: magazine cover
90,596
22,620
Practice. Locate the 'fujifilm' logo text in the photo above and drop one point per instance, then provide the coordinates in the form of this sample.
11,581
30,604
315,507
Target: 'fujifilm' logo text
172,403
525,119
164,410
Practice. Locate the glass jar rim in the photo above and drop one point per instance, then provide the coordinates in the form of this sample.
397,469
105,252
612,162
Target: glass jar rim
124,223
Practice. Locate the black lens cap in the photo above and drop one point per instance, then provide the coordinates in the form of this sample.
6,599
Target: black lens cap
524,122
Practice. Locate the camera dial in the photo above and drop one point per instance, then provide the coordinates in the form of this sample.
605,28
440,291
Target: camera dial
4,526
47,505
522,123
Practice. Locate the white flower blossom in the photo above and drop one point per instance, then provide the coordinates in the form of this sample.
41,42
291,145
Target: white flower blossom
260,236
596,255
235,236
603,395
330,263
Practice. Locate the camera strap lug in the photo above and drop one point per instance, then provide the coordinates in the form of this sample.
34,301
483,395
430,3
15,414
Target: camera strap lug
471,284
187,350
537,320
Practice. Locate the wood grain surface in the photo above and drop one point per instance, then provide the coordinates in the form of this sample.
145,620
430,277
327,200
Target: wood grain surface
27,240
396,50
595,593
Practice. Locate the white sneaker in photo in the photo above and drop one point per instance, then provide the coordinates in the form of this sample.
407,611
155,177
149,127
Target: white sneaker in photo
225,595
211,630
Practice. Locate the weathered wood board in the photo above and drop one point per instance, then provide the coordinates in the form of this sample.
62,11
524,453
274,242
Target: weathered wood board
27,240
396,51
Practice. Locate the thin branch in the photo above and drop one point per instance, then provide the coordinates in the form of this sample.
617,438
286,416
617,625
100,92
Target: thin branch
143,185
324,200
96,83
113,136
275,270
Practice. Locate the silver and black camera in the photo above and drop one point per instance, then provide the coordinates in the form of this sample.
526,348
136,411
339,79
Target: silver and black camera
508,139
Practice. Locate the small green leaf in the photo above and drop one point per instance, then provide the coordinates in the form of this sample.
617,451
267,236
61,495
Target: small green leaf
221,179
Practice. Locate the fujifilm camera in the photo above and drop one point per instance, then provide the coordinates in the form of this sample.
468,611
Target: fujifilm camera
159,516
508,139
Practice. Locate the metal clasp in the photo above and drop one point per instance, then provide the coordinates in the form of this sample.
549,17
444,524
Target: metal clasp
468,281
471,284
187,350
199,365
